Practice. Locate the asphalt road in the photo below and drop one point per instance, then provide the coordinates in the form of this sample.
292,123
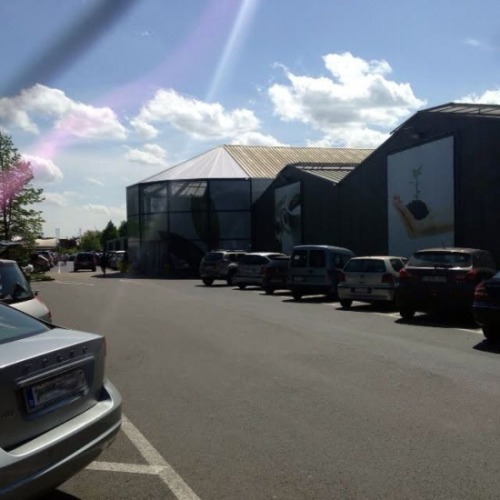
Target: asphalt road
234,394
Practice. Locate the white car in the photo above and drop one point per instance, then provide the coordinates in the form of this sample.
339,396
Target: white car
369,279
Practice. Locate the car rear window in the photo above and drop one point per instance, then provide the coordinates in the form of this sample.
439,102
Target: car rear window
299,258
365,266
15,325
443,259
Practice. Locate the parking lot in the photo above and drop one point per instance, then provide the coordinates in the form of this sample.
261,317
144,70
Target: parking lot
236,394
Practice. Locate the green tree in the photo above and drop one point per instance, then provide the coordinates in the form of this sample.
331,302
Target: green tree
18,218
110,233
91,241
123,229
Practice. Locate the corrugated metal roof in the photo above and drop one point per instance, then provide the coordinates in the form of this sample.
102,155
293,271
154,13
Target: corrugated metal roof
456,108
334,173
467,108
266,162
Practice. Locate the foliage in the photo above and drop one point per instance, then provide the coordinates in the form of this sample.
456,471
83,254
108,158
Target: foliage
17,217
110,233
91,241
123,229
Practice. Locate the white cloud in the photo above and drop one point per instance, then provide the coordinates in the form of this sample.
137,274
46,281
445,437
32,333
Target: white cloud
487,97
256,139
357,102
151,154
44,170
117,212
57,199
198,119
97,182
472,42
39,105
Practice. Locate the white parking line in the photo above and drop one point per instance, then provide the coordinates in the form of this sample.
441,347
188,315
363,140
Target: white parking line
157,465
76,283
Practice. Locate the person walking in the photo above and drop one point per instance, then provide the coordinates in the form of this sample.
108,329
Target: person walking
104,263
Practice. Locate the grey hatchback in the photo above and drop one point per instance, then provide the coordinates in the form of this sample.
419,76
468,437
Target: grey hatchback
58,411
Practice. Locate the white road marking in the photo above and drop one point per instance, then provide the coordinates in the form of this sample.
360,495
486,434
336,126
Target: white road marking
77,283
157,465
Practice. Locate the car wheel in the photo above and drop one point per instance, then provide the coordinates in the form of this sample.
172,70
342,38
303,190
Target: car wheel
230,278
407,313
269,291
345,303
208,281
93,269
491,332
296,295
242,286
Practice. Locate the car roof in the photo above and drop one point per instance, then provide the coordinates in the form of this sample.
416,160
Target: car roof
326,247
451,249
379,257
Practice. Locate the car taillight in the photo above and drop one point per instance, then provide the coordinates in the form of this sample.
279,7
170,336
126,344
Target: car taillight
388,278
341,276
404,274
469,276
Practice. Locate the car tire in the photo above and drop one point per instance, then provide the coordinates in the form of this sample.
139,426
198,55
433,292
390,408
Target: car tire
491,332
208,281
296,295
242,286
269,291
345,303
230,278
407,313
93,269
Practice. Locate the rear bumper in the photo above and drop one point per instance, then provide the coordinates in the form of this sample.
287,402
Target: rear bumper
430,299
366,294
53,457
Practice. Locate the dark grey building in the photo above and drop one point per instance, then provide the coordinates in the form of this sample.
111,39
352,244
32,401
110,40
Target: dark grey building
434,182
207,202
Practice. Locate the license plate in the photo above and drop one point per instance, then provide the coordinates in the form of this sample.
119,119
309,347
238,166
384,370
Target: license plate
362,290
434,279
55,389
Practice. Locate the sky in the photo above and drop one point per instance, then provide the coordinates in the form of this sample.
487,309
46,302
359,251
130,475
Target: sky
99,95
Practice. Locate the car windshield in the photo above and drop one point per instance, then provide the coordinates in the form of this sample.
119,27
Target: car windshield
15,325
440,259
14,287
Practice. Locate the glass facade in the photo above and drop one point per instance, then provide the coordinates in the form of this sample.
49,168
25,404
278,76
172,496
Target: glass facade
173,223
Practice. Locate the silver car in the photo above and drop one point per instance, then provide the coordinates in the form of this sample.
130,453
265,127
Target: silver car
369,279
57,409
252,268
16,291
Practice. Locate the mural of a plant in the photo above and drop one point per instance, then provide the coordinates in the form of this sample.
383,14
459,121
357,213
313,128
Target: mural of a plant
417,207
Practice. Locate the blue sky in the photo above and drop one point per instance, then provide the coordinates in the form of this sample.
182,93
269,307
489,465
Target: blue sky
99,95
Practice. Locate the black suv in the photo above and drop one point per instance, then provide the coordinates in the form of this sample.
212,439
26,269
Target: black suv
85,260
442,279
220,265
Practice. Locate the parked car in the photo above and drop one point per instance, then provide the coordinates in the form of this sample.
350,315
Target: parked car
370,279
315,269
442,279
220,265
486,307
15,290
50,256
40,263
84,260
252,267
276,275
58,410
